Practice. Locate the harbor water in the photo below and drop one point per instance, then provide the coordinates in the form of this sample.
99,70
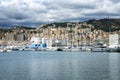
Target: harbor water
39,65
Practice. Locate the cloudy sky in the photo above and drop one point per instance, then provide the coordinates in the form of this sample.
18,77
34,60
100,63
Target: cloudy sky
34,12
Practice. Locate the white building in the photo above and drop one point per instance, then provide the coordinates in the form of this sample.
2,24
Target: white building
114,40
36,40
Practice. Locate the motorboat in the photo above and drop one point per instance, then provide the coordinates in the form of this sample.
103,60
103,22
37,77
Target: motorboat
100,47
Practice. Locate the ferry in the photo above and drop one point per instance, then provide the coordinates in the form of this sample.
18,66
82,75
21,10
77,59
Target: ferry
36,44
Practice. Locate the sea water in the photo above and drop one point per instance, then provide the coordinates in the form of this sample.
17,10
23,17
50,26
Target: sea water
38,65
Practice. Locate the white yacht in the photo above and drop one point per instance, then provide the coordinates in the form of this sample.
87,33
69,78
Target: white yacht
114,43
100,47
71,49
114,48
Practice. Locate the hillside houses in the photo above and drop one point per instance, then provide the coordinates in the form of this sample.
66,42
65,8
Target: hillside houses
78,34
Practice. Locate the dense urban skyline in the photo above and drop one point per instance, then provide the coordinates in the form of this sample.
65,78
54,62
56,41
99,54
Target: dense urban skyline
34,12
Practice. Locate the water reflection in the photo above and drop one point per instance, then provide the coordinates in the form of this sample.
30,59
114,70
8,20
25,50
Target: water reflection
71,67
59,66
113,66
55,69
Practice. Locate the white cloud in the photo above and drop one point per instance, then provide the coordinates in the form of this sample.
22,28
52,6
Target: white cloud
33,12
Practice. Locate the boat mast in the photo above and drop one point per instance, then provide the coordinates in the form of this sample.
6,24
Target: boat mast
67,33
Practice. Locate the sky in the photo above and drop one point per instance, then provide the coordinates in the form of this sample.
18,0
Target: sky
35,12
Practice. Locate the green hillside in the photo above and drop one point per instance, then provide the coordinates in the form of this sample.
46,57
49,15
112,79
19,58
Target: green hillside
106,24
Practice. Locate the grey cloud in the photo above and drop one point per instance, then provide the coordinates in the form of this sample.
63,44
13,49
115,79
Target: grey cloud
78,6
13,14
36,12
115,1
17,16
98,14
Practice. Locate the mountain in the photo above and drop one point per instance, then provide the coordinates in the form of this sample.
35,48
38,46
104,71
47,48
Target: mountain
56,24
23,27
108,25
10,29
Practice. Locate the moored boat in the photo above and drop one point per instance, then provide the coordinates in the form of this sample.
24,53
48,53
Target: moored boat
99,49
